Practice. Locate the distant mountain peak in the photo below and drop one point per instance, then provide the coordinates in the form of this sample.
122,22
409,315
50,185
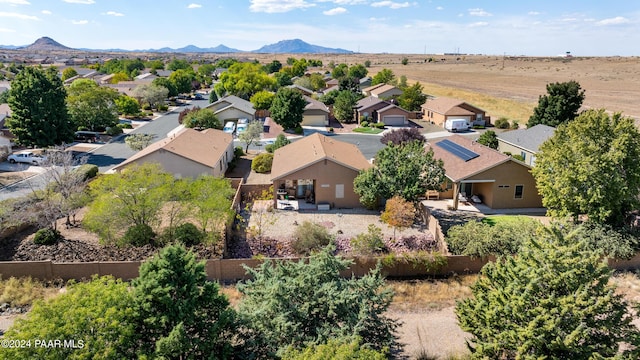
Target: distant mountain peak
297,46
46,43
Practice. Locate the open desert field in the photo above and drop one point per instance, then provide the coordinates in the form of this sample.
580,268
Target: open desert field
505,85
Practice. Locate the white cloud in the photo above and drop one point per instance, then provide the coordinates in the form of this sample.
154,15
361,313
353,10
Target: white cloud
377,19
113,13
335,11
479,12
15,2
3,30
345,2
194,6
390,4
534,13
79,22
46,12
18,16
479,24
85,2
613,21
439,8
278,6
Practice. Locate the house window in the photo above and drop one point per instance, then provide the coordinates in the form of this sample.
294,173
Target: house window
524,155
533,160
339,191
519,191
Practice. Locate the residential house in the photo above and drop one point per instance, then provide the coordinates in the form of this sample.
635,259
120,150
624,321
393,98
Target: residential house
315,113
303,90
373,109
365,82
477,171
319,169
439,110
164,73
232,107
5,112
382,91
525,142
146,77
188,153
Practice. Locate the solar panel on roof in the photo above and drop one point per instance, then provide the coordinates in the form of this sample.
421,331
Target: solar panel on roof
457,150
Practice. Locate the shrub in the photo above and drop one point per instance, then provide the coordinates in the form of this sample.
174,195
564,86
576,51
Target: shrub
125,126
237,151
89,170
269,148
378,125
163,107
47,236
298,130
369,243
502,123
405,61
335,349
364,124
189,234
401,136
114,130
515,125
262,163
309,237
518,157
139,235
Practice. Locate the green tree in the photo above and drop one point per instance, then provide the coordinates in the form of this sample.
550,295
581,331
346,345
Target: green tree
406,170
590,166
281,141
282,79
133,197
92,106
384,76
262,100
343,105
183,80
252,134
357,71
138,141
340,71
306,303
127,105
317,82
560,105
165,82
244,80
178,313
95,315
40,117
153,95
178,64
553,300
405,61
489,138
412,97
273,67
210,199
202,119
287,108
335,349
68,73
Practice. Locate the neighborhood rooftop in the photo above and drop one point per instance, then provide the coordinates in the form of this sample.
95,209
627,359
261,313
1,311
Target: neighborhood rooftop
529,139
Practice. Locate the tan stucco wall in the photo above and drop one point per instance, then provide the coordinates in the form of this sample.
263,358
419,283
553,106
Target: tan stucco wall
511,174
233,114
514,150
314,113
327,172
394,112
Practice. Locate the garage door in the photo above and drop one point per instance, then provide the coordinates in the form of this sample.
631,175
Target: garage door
314,120
395,120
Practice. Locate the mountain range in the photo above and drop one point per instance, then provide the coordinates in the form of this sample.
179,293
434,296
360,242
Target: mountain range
295,46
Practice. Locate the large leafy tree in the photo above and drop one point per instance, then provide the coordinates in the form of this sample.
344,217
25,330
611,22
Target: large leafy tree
183,80
412,97
178,313
287,108
95,315
343,105
406,170
165,82
92,106
307,302
384,76
590,166
552,301
560,105
153,95
252,134
127,105
244,80
262,100
40,117
357,71
201,119
489,138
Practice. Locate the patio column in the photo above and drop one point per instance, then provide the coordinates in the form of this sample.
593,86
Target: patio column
456,194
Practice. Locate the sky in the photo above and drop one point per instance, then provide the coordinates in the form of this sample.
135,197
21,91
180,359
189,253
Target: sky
516,27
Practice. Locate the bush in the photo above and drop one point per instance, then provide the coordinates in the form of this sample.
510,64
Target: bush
402,136
89,170
405,61
378,125
309,237
47,236
518,157
369,243
502,123
163,107
114,130
139,235
364,124
189,234
262,163
125,126
237,152
298,130
335,349
515,125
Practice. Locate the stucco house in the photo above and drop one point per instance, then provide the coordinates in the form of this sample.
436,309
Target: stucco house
320,169
525,142
496,179
232,108
315,113
382,91
373,109
439,110
188,153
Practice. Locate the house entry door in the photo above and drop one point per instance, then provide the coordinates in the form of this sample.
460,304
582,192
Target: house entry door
303,186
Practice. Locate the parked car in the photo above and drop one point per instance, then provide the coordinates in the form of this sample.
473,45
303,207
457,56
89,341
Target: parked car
87,136
229,127
454,125
243,121
241,127
27,157
198,97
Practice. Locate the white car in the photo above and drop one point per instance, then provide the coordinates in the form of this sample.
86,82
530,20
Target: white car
229,127
27,158
241,128
243,121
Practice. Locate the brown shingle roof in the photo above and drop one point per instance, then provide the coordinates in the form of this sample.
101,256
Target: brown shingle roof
446,106
457,169
382,89
313,148
206,147
313,104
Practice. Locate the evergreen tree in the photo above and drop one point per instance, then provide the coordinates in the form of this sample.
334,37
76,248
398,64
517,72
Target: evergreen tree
40,117
552,301
560,105
489,138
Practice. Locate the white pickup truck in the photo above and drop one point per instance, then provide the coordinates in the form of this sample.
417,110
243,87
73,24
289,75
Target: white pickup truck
27,158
